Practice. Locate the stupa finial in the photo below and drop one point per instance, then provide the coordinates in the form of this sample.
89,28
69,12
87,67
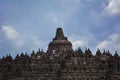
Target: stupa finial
59,34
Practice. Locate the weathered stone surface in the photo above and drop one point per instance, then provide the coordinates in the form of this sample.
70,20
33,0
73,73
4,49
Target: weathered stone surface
60,43
60,62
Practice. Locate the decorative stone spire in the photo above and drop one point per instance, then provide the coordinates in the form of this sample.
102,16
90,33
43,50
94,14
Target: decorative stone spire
60,42
59,35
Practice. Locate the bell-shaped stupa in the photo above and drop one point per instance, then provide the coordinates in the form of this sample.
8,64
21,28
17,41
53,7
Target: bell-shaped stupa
60,42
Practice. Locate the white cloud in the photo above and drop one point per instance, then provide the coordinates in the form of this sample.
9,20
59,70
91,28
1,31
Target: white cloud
11,33
114,37
19,42
113,7
112,43
78,41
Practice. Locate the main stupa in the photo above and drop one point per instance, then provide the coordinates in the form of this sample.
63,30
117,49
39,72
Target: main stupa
60,42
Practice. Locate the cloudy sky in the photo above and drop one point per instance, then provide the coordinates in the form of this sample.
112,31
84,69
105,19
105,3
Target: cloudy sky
27,25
